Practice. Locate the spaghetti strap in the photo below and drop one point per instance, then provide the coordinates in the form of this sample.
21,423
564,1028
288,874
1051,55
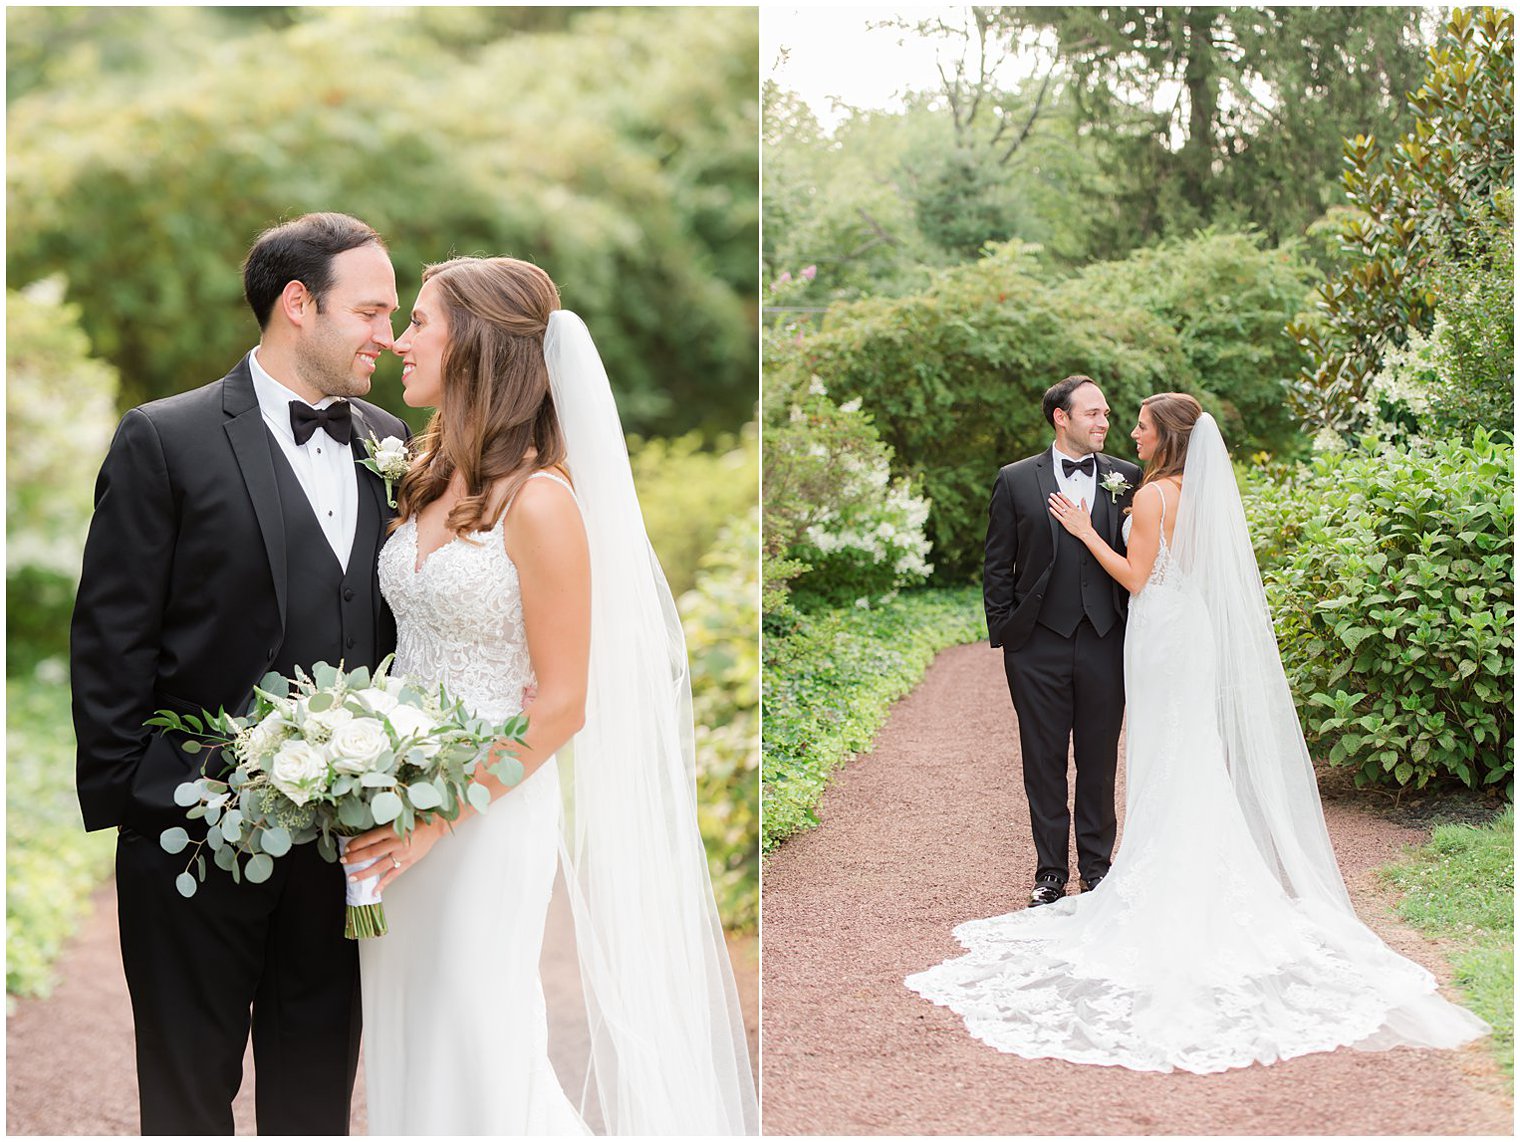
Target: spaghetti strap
1162,492
556,477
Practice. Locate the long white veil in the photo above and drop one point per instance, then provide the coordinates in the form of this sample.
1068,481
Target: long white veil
668,1049
1264,745
1265,752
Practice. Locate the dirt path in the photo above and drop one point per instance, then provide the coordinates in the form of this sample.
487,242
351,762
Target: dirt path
931,828
69,1058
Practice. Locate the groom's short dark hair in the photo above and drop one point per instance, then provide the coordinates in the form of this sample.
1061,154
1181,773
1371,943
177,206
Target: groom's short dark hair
1058,396
300,250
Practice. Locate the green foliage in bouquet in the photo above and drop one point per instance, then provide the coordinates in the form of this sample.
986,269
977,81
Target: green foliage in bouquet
331,754
1390,575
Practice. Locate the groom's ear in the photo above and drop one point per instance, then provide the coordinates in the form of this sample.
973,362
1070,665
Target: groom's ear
296,303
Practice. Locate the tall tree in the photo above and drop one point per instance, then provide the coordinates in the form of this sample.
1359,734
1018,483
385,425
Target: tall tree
1231,114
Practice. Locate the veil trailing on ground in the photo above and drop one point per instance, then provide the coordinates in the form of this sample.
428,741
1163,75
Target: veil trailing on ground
668,1048
1265,753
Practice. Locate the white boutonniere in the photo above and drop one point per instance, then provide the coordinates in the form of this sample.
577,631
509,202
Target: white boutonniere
387,459
1115,485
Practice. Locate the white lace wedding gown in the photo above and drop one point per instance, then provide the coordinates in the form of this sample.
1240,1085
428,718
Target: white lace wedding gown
455,1026
1189,955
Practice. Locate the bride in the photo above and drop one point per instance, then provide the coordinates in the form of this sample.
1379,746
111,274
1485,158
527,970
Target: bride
1223,935
521,577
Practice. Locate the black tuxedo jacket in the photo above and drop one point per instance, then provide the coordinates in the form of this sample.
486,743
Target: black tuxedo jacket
1021,541
182,596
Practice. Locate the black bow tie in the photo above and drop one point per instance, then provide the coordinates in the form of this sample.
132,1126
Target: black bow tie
336,418
1086,467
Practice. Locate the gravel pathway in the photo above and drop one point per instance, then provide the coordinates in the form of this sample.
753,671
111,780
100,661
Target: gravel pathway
69,1058
931,828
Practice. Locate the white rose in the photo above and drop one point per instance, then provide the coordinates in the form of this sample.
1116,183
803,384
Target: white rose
409,721
263,739
356,743
378,700
299,771
321,726
391,454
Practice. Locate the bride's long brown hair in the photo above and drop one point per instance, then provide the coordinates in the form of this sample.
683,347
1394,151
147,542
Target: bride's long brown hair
496,408
1174,415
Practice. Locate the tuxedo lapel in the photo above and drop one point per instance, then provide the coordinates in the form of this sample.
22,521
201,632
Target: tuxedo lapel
1102,513
1046,476
250,447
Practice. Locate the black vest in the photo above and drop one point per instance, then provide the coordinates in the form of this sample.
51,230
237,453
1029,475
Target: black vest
331,615
1078,586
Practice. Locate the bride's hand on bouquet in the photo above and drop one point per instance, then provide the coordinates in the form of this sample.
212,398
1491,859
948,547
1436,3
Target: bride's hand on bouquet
393,855
1073,517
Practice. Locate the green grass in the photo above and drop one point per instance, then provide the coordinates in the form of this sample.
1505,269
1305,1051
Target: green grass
1461,887
829,681
52,864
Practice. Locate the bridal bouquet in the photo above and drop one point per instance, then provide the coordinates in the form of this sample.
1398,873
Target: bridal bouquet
325,757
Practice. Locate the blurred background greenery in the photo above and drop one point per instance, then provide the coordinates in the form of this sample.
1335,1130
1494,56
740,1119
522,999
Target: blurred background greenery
146,147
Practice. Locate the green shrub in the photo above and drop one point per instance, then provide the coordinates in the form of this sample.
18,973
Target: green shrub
51,864
953,377
721,617
1227,296
689,493
829,682
1390,576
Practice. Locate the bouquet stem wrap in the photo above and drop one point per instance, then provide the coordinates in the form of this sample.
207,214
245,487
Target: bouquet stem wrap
365,915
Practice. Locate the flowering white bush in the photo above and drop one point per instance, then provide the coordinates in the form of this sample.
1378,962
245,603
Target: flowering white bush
864,536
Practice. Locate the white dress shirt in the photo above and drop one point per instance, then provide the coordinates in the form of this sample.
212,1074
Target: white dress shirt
1078,487
323,467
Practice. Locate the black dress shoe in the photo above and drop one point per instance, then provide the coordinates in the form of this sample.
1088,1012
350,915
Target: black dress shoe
1089,885
1046,892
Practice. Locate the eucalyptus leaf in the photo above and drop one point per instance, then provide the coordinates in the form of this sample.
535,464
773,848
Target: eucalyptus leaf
325,676
174,840
374,780
386,807
225,857
260,866
319,702
423,796
275,841
479,796
187,793
186,884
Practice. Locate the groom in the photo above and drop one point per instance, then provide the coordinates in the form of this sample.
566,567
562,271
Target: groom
1060,621
234,534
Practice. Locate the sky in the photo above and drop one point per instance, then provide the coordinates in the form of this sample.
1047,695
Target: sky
832,52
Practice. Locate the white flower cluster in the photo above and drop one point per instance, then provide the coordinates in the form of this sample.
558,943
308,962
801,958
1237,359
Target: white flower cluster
303,750
888,527
390,457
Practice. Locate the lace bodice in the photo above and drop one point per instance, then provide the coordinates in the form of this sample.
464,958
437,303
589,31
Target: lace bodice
459,617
